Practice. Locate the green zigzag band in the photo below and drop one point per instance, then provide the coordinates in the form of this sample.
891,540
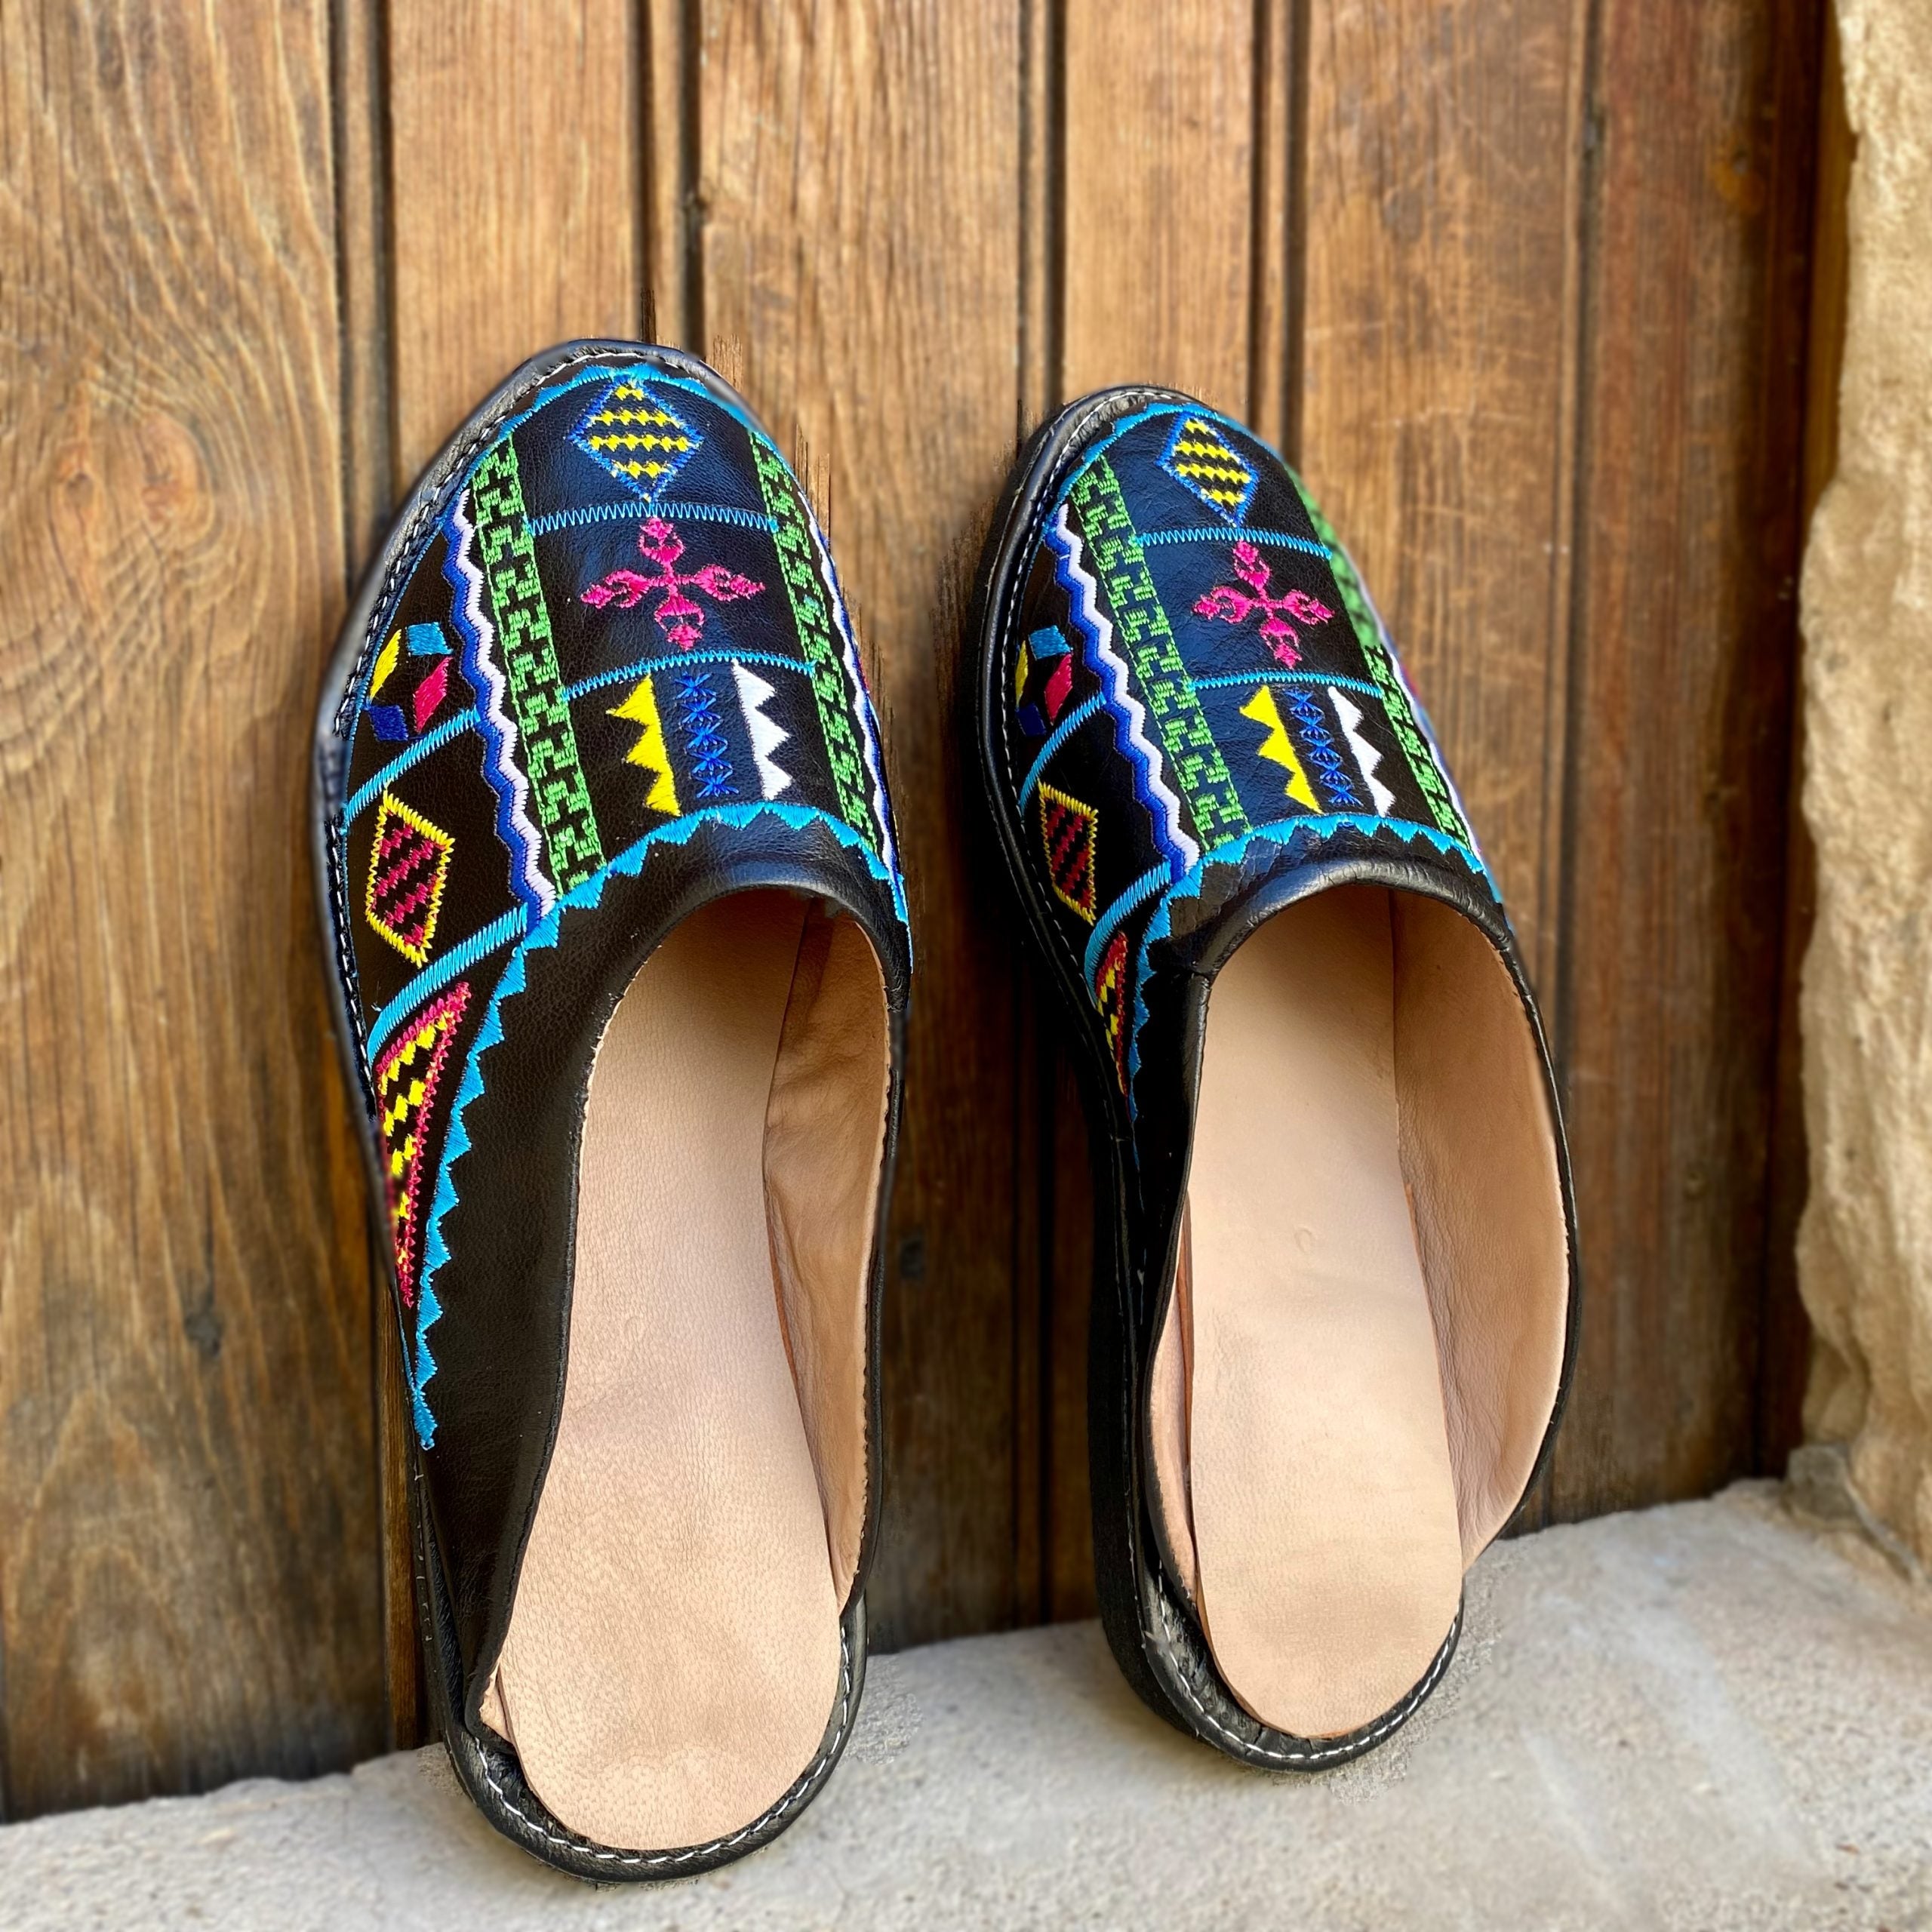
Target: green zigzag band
814,620
1402,720
572,845
1115,546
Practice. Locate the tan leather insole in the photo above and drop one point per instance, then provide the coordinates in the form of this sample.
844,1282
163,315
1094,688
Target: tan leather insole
1328,1559
673,1654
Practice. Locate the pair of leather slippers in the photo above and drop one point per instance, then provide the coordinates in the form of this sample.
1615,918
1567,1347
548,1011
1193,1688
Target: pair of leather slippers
620,938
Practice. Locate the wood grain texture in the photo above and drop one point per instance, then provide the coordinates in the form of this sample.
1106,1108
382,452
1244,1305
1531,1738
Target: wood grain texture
1157,266
860,254
188,1582
369,491
1437,375
1522,287
517,195
1703,120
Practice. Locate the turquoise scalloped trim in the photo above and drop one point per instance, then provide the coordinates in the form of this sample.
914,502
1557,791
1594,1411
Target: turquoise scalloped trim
544,933
1313,830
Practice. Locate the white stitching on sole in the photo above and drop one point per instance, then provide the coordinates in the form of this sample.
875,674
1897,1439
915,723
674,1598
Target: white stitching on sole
1352,1745
814,1775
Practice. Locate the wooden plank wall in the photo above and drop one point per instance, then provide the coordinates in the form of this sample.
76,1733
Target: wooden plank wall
1522,286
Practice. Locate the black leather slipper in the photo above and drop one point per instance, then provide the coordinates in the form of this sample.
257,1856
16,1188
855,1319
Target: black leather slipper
619,942
1333,1308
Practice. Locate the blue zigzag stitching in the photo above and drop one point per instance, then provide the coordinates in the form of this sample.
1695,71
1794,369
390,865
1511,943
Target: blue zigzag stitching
500,768
1310,831
704,736
1128,714
544,933
1319,743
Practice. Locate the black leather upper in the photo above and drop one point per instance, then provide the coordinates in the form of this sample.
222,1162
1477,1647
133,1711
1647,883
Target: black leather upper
1189,715
602,675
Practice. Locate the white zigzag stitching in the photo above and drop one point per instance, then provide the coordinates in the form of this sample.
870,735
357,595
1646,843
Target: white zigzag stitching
766,736
1367,756
498,729
1130,716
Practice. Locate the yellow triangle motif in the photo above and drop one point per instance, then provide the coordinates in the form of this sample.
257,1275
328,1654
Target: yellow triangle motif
1277,749
641,709
385,663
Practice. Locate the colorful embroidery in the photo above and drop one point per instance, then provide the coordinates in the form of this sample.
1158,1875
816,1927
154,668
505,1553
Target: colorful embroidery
571,840
866,719
388,721
1129,716
501,771
1318,743
385,663
703,730
1349,714
754,694
409,862
809,614
629,863
1110,986
429,696
1211,795
1048,645
681,620
1396,704
1277,749
1201,459
710,739
1234,606
649,753
637,436
1069,833
407,1077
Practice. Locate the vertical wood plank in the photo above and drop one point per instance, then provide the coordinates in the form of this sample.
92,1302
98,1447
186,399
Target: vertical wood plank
1437,376
188,1588
1702,115
860,197
1159,139
1278,213
516,195
369,490
669,141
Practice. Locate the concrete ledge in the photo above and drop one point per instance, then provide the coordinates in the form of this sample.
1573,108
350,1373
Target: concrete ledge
1708,1716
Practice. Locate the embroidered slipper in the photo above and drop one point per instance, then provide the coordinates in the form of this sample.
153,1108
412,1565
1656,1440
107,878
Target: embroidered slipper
1332,1309
621,958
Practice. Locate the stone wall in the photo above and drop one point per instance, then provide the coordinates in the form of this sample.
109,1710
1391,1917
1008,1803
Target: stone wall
1866,1246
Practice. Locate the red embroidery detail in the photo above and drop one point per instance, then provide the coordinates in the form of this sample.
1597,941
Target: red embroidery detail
682,619
430,692
1234,606
407,1077
1068,834
1054,695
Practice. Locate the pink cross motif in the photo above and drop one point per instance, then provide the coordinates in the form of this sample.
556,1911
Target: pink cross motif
1233,607
683,620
